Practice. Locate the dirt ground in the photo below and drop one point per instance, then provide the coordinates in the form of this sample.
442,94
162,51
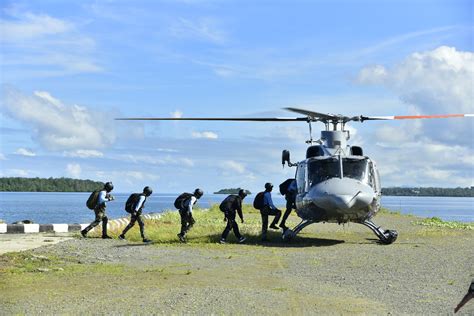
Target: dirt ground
328,269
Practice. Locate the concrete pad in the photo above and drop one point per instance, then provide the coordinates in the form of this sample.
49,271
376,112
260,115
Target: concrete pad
60,228
20,242
31,228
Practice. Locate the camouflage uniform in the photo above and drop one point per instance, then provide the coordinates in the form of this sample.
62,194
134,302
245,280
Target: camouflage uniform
100,216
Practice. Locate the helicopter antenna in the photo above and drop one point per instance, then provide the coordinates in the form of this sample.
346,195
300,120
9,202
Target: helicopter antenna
310,141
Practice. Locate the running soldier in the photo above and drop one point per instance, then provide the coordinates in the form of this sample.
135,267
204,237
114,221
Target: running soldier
135,207
230,206
99,210
184,203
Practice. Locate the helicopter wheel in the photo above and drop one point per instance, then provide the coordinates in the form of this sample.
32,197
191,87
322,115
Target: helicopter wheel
390,236
288,235
386,236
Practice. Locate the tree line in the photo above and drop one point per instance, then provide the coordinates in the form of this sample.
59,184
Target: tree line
430,191
18,184
231,191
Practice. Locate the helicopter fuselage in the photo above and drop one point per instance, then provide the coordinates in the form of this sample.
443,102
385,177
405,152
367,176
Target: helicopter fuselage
337,189
336,182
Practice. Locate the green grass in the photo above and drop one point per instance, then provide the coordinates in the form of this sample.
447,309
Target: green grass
207,230
437,222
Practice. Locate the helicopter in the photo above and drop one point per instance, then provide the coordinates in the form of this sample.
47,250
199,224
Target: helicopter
336,182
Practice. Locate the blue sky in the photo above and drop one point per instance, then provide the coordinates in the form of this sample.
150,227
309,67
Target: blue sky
69,67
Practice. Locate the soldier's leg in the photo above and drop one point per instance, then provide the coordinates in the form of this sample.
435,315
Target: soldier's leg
98,218
184,222
233,223
226,231
105,220
235,227
289,208
277,214
142,226
191,222
133,219
264,214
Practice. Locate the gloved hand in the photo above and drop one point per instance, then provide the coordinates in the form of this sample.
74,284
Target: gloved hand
110,197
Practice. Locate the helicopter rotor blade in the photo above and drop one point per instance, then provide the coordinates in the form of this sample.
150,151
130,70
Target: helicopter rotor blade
315,115
412,117
239,119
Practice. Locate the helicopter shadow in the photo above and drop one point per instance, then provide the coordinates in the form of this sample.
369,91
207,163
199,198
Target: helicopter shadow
275,240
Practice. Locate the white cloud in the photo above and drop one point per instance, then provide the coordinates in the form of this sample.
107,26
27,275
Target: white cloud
25,152
38,45
2,157
177,114
425,163
434,82
18,172
233,166
207,135
438,80
166,160
29,25
127,176
49,98
73,170
59,128
187,162
83,153
203,29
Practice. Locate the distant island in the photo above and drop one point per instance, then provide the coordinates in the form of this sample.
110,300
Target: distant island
48,185
231,191
430,191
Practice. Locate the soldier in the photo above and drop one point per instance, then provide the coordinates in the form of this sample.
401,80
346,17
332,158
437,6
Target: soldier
290,197
185,203
268,209
99,210
231,205
137,203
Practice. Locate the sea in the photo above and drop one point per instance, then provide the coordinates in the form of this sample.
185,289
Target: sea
65,207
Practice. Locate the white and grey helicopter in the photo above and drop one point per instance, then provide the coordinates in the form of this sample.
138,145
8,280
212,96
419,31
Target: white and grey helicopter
336,182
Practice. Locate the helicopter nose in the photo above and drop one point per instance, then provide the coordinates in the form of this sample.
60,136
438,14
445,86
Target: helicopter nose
342,194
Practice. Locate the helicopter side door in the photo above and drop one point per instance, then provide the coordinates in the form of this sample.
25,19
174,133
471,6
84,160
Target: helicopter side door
302,178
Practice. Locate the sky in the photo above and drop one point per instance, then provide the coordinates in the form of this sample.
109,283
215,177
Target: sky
68,68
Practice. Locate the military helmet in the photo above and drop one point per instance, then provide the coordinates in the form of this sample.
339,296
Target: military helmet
198,193
268,186
242,193
147,191
108,186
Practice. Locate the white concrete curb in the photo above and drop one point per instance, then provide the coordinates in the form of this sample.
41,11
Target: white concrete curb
66,228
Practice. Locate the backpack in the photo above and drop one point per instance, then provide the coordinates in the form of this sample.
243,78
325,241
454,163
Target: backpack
92,200
258,201
132,202
284,186
226,205
179,202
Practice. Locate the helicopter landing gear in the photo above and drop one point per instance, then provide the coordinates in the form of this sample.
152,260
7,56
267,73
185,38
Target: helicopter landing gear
386,236
289,234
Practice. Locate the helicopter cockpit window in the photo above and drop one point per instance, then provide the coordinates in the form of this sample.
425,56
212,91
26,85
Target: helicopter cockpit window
322,170
355,169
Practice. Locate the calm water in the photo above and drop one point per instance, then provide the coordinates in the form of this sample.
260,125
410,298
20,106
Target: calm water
42,207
